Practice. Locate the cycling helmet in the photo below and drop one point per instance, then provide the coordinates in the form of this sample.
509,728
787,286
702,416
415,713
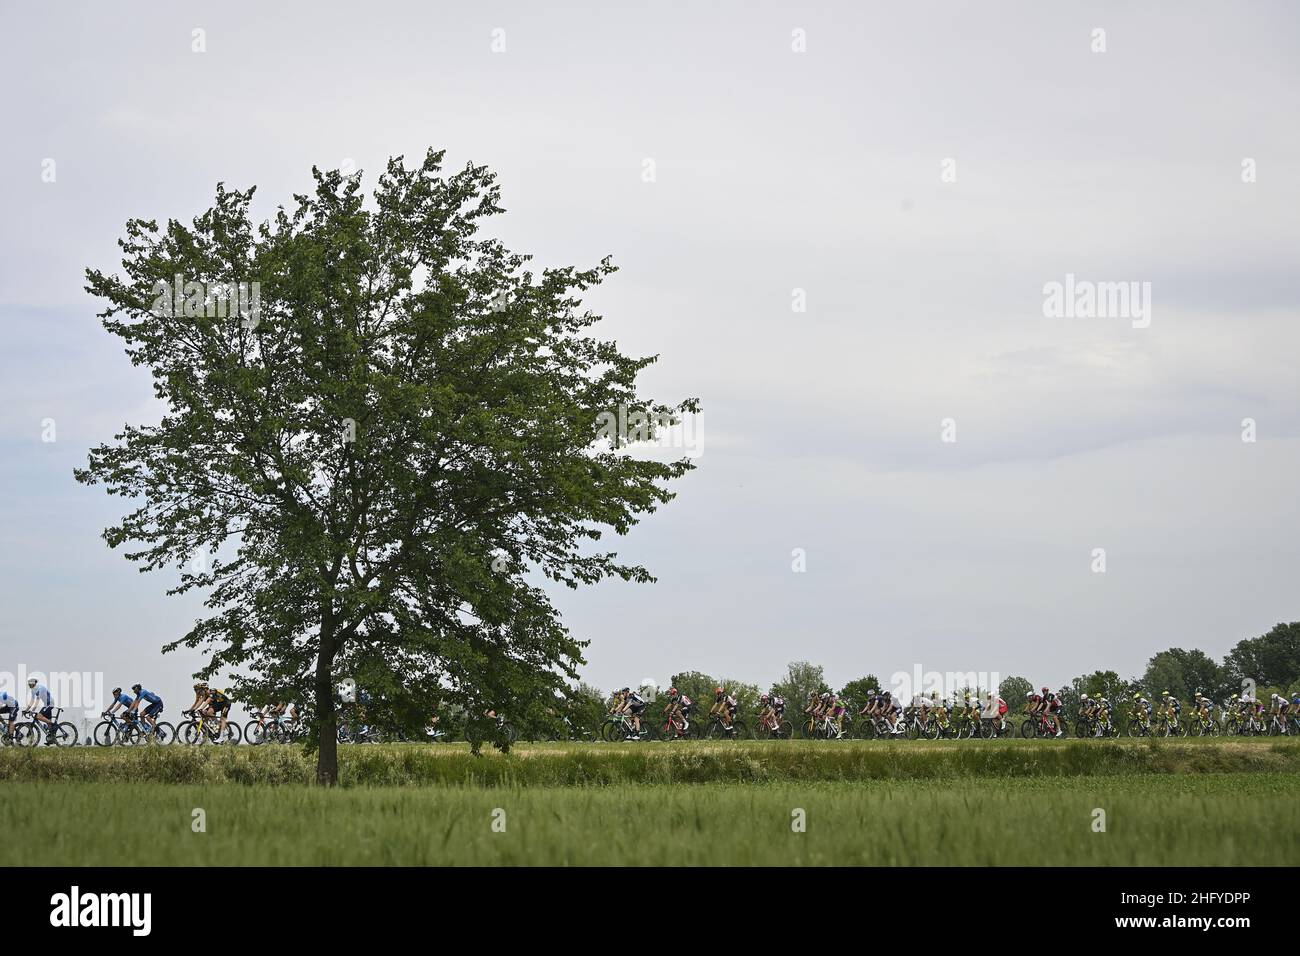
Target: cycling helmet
117,691
763,698
31,682
1029,695
718,691
1044,690
136,688
672,692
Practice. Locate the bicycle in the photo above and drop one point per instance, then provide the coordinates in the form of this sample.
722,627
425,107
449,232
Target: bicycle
774,728
1278,725
993,728
1095,727
364,734
275,729
108,731
678,727
1203,726
1168,726
134,731
876,725
498,730
1042,725
55,734
202,728
826,729
617,728
717,730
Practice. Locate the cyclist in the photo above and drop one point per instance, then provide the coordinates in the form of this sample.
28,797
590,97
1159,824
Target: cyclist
1033,703
810,706
1248,705
8,710
1204,708
999,707
636,705
1141,709
724,706
835,710
618,703
939,705
679,708
891,710
120,699
1052,710
1279,709
40,694
150,713
200,698
766,714
973,712
219,706
871,709
1103,716
1170,708
777,704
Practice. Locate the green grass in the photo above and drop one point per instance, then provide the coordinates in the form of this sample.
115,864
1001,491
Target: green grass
585,765
1151,819
1167,803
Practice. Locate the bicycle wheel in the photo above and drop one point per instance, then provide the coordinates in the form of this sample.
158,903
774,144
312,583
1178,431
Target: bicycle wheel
104,734
254,733
233,734
163,735
784,730
188,733
1028,728
64,735
866,729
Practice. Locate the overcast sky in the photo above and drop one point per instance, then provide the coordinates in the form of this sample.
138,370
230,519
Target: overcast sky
774,170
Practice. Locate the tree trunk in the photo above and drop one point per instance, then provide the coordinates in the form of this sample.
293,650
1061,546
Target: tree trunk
327,754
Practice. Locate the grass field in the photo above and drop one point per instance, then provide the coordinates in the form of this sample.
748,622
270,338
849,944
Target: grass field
1192,803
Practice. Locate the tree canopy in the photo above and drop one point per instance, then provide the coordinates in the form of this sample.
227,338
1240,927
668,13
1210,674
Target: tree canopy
381,433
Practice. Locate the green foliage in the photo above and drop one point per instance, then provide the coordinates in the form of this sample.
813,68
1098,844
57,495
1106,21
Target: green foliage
857,691
1106,684
596,765
746,696
1014,691
696,685
379,453
1272,658
1154,820
1183,673
586,708
801,679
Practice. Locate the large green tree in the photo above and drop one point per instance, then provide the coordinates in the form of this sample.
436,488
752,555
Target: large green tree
1270,659
857,691
1184,672
381,448
801,679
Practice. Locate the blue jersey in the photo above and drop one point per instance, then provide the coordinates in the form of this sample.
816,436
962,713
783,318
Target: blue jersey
150,696
7,701
125,699
42,693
